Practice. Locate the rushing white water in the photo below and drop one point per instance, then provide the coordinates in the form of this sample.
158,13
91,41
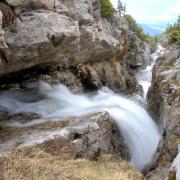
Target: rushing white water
145,76
53,102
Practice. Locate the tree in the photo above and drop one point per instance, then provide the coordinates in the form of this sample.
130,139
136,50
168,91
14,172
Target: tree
121,8
124,9
106,8
173,33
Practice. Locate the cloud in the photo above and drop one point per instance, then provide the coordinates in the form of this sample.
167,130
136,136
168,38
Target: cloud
152,11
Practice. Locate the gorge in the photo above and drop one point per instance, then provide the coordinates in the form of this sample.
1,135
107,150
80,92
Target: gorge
71,77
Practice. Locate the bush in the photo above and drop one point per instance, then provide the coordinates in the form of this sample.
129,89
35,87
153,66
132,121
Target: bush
106,8
174,36
173,33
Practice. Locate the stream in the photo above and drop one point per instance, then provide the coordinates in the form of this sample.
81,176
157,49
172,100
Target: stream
54,102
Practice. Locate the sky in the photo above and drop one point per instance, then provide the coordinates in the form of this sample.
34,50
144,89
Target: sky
155,13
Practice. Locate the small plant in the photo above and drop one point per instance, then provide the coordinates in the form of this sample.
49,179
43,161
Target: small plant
106,8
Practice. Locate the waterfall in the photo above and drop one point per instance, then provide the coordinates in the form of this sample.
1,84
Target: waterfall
53,102
145,76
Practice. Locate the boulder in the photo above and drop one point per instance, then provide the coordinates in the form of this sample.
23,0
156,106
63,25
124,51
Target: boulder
58,35
89,135
55,40
28,5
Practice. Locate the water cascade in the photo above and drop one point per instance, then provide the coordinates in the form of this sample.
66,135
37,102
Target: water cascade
145,76
53,102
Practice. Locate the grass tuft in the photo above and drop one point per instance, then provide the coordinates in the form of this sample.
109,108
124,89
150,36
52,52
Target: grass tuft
35,163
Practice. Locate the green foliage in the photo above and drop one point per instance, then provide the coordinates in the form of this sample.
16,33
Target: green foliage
154,41
173,33
174,36
137,28
106,8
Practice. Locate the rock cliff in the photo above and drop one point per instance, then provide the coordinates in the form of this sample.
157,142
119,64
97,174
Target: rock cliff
68,41
164,100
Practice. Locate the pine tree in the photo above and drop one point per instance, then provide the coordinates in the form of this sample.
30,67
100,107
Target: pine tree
124,9
121,8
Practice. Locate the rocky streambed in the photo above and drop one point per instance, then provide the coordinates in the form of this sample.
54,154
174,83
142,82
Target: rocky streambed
44,112
70,76
94,123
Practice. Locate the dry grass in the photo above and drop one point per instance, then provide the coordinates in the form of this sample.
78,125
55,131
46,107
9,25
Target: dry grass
36,164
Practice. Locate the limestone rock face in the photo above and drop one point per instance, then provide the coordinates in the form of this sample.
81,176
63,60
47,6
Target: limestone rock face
138,51
111,74
60,35
30,46
164,100
27,5
89,135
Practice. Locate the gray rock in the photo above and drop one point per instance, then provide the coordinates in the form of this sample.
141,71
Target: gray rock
175,168
90,134
55,39
164,99
27,5
50,34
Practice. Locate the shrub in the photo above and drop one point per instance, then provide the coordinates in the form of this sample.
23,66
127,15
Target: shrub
106,8
173,33
174,36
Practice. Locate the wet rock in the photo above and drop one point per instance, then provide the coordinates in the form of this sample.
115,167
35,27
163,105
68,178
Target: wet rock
136,66
67,78
89,134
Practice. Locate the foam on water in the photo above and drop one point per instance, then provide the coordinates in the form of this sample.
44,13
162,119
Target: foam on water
145,76
56,101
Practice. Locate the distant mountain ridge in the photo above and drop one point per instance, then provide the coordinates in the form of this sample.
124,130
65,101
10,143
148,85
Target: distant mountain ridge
153,30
